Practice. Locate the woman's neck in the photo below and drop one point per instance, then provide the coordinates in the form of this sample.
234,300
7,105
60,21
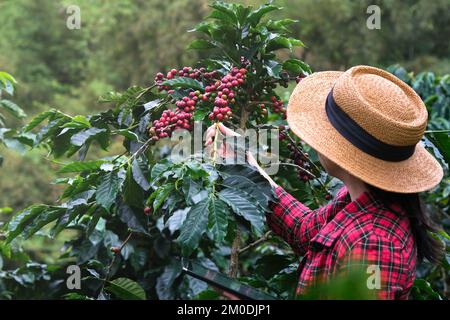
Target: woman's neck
355,186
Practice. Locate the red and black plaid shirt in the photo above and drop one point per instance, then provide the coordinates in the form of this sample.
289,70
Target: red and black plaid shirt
333,237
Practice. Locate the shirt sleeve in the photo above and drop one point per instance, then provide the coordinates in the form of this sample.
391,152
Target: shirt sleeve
294,222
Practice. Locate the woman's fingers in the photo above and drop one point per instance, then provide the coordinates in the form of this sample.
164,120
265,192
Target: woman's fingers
210,133
227,131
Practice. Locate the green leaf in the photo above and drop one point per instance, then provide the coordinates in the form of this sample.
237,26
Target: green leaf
158,169
81,137
194,227
296,66
76,296
126,289
202,27
127,134
96,214
50,129
190,189
12,108
273,68
22,219
8,82
424,290
78,122
176,220
443,234
111,96
442,141
201,44
25,138
249,188
132,192
5,76
107,190
255,17
79,166
161,195
224,12
197,170
199,114
6,210
41,220
225,17
218,218
278,43
152,104
166,280
136,221
242,205
280,25
38,119
296,42
82,119
242,13
184,83
139,171
209,294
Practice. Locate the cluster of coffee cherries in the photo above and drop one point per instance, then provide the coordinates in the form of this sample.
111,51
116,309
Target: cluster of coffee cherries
224,91
221,92
297,155
300,159
262,108
187,72
282,135
171,121
180,118
277,105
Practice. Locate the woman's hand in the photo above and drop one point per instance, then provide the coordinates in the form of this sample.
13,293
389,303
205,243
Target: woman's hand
225,151
211,132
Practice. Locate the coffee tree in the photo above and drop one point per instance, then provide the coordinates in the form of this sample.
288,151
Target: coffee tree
136,213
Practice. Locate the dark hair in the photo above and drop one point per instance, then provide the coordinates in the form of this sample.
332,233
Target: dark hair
421,225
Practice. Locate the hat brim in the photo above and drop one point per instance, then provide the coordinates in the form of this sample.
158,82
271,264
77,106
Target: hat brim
307,118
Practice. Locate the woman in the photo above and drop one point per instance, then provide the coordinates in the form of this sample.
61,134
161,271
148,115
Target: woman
366,126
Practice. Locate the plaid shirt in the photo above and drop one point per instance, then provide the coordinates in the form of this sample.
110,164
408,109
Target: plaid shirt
345,233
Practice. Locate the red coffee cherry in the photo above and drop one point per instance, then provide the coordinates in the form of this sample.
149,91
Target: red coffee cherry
115,250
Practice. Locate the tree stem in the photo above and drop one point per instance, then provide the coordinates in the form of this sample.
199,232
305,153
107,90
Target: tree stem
234,259
264,238
109,269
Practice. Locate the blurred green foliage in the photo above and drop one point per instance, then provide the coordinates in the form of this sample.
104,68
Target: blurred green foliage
122,43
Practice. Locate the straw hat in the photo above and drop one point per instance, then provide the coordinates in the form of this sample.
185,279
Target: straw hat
368,122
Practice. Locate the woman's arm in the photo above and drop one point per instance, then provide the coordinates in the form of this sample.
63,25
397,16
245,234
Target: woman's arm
252,161
290,219
295,222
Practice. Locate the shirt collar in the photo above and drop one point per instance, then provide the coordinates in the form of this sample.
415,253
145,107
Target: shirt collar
348,212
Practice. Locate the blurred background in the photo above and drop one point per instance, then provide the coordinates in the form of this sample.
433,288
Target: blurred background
121,43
